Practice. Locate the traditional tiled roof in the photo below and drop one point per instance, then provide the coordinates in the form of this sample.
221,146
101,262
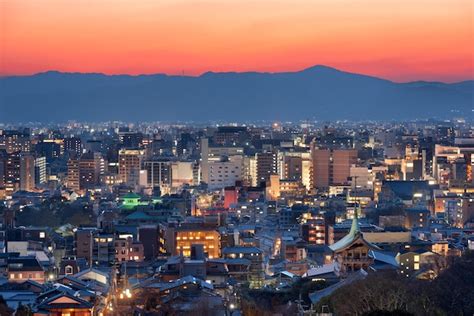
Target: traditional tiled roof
240,249
139,215
131,195
327,268
384,257
63,301
353,235
315,297
24,264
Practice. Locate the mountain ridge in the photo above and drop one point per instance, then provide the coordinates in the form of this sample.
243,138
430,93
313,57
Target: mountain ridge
318,92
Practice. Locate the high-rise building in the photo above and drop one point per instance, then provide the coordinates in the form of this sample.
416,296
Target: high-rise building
73,145
158,172
224,171
342,160
331,167
40,170
14,141
220,166
230,135
12,172
291,167
3,168
73,174
413,166
266,164
91,167
182,172
130,162
321,159
27,172
130,140
49,148
185,144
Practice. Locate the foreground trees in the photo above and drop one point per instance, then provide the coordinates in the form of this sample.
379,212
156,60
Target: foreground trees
452,293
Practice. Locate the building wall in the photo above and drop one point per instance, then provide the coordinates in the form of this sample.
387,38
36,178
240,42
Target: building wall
321,165
27,172
210,239
130,161
342,160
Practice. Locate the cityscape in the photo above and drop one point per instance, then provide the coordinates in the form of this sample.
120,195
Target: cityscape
236,158
280,218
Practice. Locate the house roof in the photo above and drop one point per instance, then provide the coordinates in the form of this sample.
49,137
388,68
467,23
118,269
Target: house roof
238,261
64,300
384,257
139,215
240,249
24,264
324,269
315,297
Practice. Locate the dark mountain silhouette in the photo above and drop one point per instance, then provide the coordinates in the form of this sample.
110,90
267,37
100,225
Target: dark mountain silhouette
315,93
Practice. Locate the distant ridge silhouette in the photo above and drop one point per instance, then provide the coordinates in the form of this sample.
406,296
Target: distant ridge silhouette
319,92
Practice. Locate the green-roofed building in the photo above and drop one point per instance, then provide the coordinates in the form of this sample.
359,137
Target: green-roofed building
131,200
351,253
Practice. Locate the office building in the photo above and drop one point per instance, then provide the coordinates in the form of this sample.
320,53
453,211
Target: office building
130,162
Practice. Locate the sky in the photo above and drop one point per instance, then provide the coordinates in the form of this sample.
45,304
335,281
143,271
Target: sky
401,40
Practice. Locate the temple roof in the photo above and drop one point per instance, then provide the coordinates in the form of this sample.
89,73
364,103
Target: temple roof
131,195
353,235
349,238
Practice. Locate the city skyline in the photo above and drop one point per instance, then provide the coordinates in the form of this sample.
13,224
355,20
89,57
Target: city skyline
420,40
236,157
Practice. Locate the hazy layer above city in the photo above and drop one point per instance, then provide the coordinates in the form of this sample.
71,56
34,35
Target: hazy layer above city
315,93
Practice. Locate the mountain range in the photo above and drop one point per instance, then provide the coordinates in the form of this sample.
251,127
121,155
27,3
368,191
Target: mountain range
316,93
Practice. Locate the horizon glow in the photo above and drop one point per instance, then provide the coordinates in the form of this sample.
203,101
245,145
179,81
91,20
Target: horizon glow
399,40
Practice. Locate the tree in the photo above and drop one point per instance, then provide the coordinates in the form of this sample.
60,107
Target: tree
451,293
4,309
23,310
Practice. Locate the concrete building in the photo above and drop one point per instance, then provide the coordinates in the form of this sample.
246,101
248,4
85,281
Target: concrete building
130,162
224,171
27,172
215,155
179,239
91,167
40,171
73,178
127,249
331,167
266,165
14,141
158,173
73,146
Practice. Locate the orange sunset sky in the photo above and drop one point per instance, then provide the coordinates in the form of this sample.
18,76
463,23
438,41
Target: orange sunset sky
401,40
